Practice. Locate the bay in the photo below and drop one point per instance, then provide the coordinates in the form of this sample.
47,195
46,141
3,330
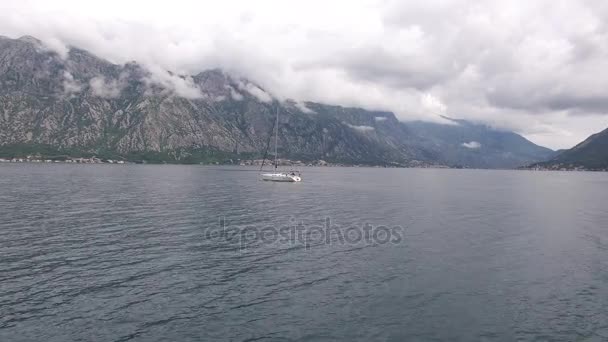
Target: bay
198,253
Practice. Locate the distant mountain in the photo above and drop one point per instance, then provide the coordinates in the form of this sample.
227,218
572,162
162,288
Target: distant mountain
474,145
80,104
459,144
591,154
83,104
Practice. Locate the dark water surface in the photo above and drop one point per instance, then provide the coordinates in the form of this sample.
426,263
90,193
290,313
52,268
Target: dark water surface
133,252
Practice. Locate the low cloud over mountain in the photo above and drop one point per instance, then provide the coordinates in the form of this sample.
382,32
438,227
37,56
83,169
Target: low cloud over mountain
536,67
81,104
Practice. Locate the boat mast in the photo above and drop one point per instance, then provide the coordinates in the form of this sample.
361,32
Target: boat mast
276,140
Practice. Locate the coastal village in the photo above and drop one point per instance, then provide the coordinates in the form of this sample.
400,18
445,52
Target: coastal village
269,163
562,167
96,160
38,159
239,162
320,162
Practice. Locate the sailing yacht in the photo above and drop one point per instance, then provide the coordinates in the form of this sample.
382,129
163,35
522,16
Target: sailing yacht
279,176
282,177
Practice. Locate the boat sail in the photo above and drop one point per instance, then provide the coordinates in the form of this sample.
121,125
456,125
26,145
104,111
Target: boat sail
279,176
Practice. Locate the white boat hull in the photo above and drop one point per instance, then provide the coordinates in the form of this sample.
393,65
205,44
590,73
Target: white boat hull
281,177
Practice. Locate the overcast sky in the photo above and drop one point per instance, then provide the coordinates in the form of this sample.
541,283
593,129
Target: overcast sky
538,67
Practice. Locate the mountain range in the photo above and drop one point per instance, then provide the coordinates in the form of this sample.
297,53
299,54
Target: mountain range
79,104
591,154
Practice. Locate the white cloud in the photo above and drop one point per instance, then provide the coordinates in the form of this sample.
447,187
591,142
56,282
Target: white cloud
254,90
235,95
505,63
361,128
181,85
107,88
57,46
302,107
472,145
433,104
379,118
70,85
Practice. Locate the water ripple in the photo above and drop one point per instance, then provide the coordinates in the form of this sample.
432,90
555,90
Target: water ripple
126,253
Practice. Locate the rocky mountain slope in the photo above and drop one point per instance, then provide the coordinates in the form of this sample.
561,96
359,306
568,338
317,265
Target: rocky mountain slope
591,154
476,145
460,144
81,104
